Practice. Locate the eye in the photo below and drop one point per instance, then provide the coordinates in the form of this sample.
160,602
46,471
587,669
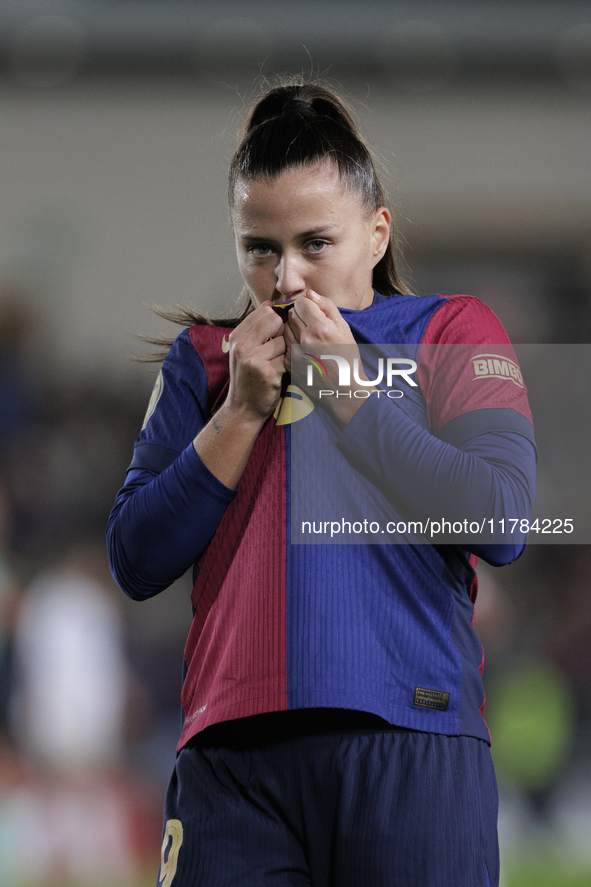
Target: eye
316,246
260,250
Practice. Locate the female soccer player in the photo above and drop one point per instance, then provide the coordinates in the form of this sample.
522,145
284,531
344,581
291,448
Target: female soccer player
333,704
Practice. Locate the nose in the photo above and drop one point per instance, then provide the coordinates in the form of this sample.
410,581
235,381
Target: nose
290,279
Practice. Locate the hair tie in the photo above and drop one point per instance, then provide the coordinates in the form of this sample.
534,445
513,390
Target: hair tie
296,105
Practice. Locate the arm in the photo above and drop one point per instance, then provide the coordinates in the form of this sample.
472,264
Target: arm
481,464
489,475
185,469
161,523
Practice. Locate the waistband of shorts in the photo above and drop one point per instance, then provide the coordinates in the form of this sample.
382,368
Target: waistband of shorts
278,726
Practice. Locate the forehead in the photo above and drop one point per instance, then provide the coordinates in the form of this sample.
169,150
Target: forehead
297,194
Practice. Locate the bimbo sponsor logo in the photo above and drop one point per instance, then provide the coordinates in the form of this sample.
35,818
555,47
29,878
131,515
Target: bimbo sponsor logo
495,366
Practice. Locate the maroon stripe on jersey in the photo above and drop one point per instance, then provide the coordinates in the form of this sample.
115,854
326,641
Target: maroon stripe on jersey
211,343
236,649
472,585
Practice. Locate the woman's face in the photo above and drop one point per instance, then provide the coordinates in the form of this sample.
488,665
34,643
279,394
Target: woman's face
303,230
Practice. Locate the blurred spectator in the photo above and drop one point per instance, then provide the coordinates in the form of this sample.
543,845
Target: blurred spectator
72,666
86,819
9,604
86,830
569,643
531,718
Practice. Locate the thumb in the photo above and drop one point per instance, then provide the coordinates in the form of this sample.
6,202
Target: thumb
327,306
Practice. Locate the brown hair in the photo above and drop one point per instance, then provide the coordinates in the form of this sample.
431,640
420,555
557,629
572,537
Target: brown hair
302,124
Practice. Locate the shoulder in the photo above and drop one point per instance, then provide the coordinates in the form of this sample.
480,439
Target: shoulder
463,319
206,338
181,383
199,351
480,373
182,352
182,368
396,318
180,399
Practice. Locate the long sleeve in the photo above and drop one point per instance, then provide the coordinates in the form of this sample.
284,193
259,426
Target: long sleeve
476,458
489,475
161,523
171,504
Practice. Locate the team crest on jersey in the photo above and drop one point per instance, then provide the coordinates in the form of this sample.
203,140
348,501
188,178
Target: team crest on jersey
294,406
495,366
155,397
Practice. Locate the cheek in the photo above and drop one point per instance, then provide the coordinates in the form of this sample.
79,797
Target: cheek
357,255
254,274
246,268
256,278
365,252
243,268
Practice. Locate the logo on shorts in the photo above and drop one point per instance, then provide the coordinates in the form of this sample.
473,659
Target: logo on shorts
225,345
431,698
495,366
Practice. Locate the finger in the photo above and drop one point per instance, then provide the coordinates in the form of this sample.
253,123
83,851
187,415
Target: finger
292,335
288,335
297,313
303,315
262,324
272,348
327,306
278,364
309,323
325,322
267,321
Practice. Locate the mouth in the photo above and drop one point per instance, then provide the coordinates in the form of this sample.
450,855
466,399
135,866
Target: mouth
282,309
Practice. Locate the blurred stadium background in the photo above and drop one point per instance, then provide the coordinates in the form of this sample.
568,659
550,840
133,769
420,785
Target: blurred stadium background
117,119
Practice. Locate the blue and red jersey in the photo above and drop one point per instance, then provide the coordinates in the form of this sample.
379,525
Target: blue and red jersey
386,629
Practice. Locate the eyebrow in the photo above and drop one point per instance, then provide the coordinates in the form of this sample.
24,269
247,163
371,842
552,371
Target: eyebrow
313,232
323,229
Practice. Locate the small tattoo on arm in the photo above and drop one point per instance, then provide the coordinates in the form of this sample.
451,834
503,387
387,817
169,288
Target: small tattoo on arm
216,425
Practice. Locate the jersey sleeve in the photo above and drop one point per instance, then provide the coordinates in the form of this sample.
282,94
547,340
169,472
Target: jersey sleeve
171,504
177,410
466,364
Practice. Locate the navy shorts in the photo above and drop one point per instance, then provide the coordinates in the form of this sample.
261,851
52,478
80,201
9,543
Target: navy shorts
330,798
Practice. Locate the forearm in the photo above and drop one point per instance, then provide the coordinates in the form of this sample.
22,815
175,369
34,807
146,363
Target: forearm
224,445
169,508
491,475
161,523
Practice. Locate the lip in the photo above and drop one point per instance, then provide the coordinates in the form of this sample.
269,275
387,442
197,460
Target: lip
282,309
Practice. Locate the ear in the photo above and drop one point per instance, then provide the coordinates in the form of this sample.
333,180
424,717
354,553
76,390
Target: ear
380,233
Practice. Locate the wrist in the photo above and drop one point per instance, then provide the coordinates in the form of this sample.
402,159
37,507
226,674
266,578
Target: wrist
240,418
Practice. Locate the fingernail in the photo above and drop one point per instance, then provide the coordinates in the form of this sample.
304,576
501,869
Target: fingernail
314,295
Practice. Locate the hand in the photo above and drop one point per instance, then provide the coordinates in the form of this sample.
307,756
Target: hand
257,363
315,320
